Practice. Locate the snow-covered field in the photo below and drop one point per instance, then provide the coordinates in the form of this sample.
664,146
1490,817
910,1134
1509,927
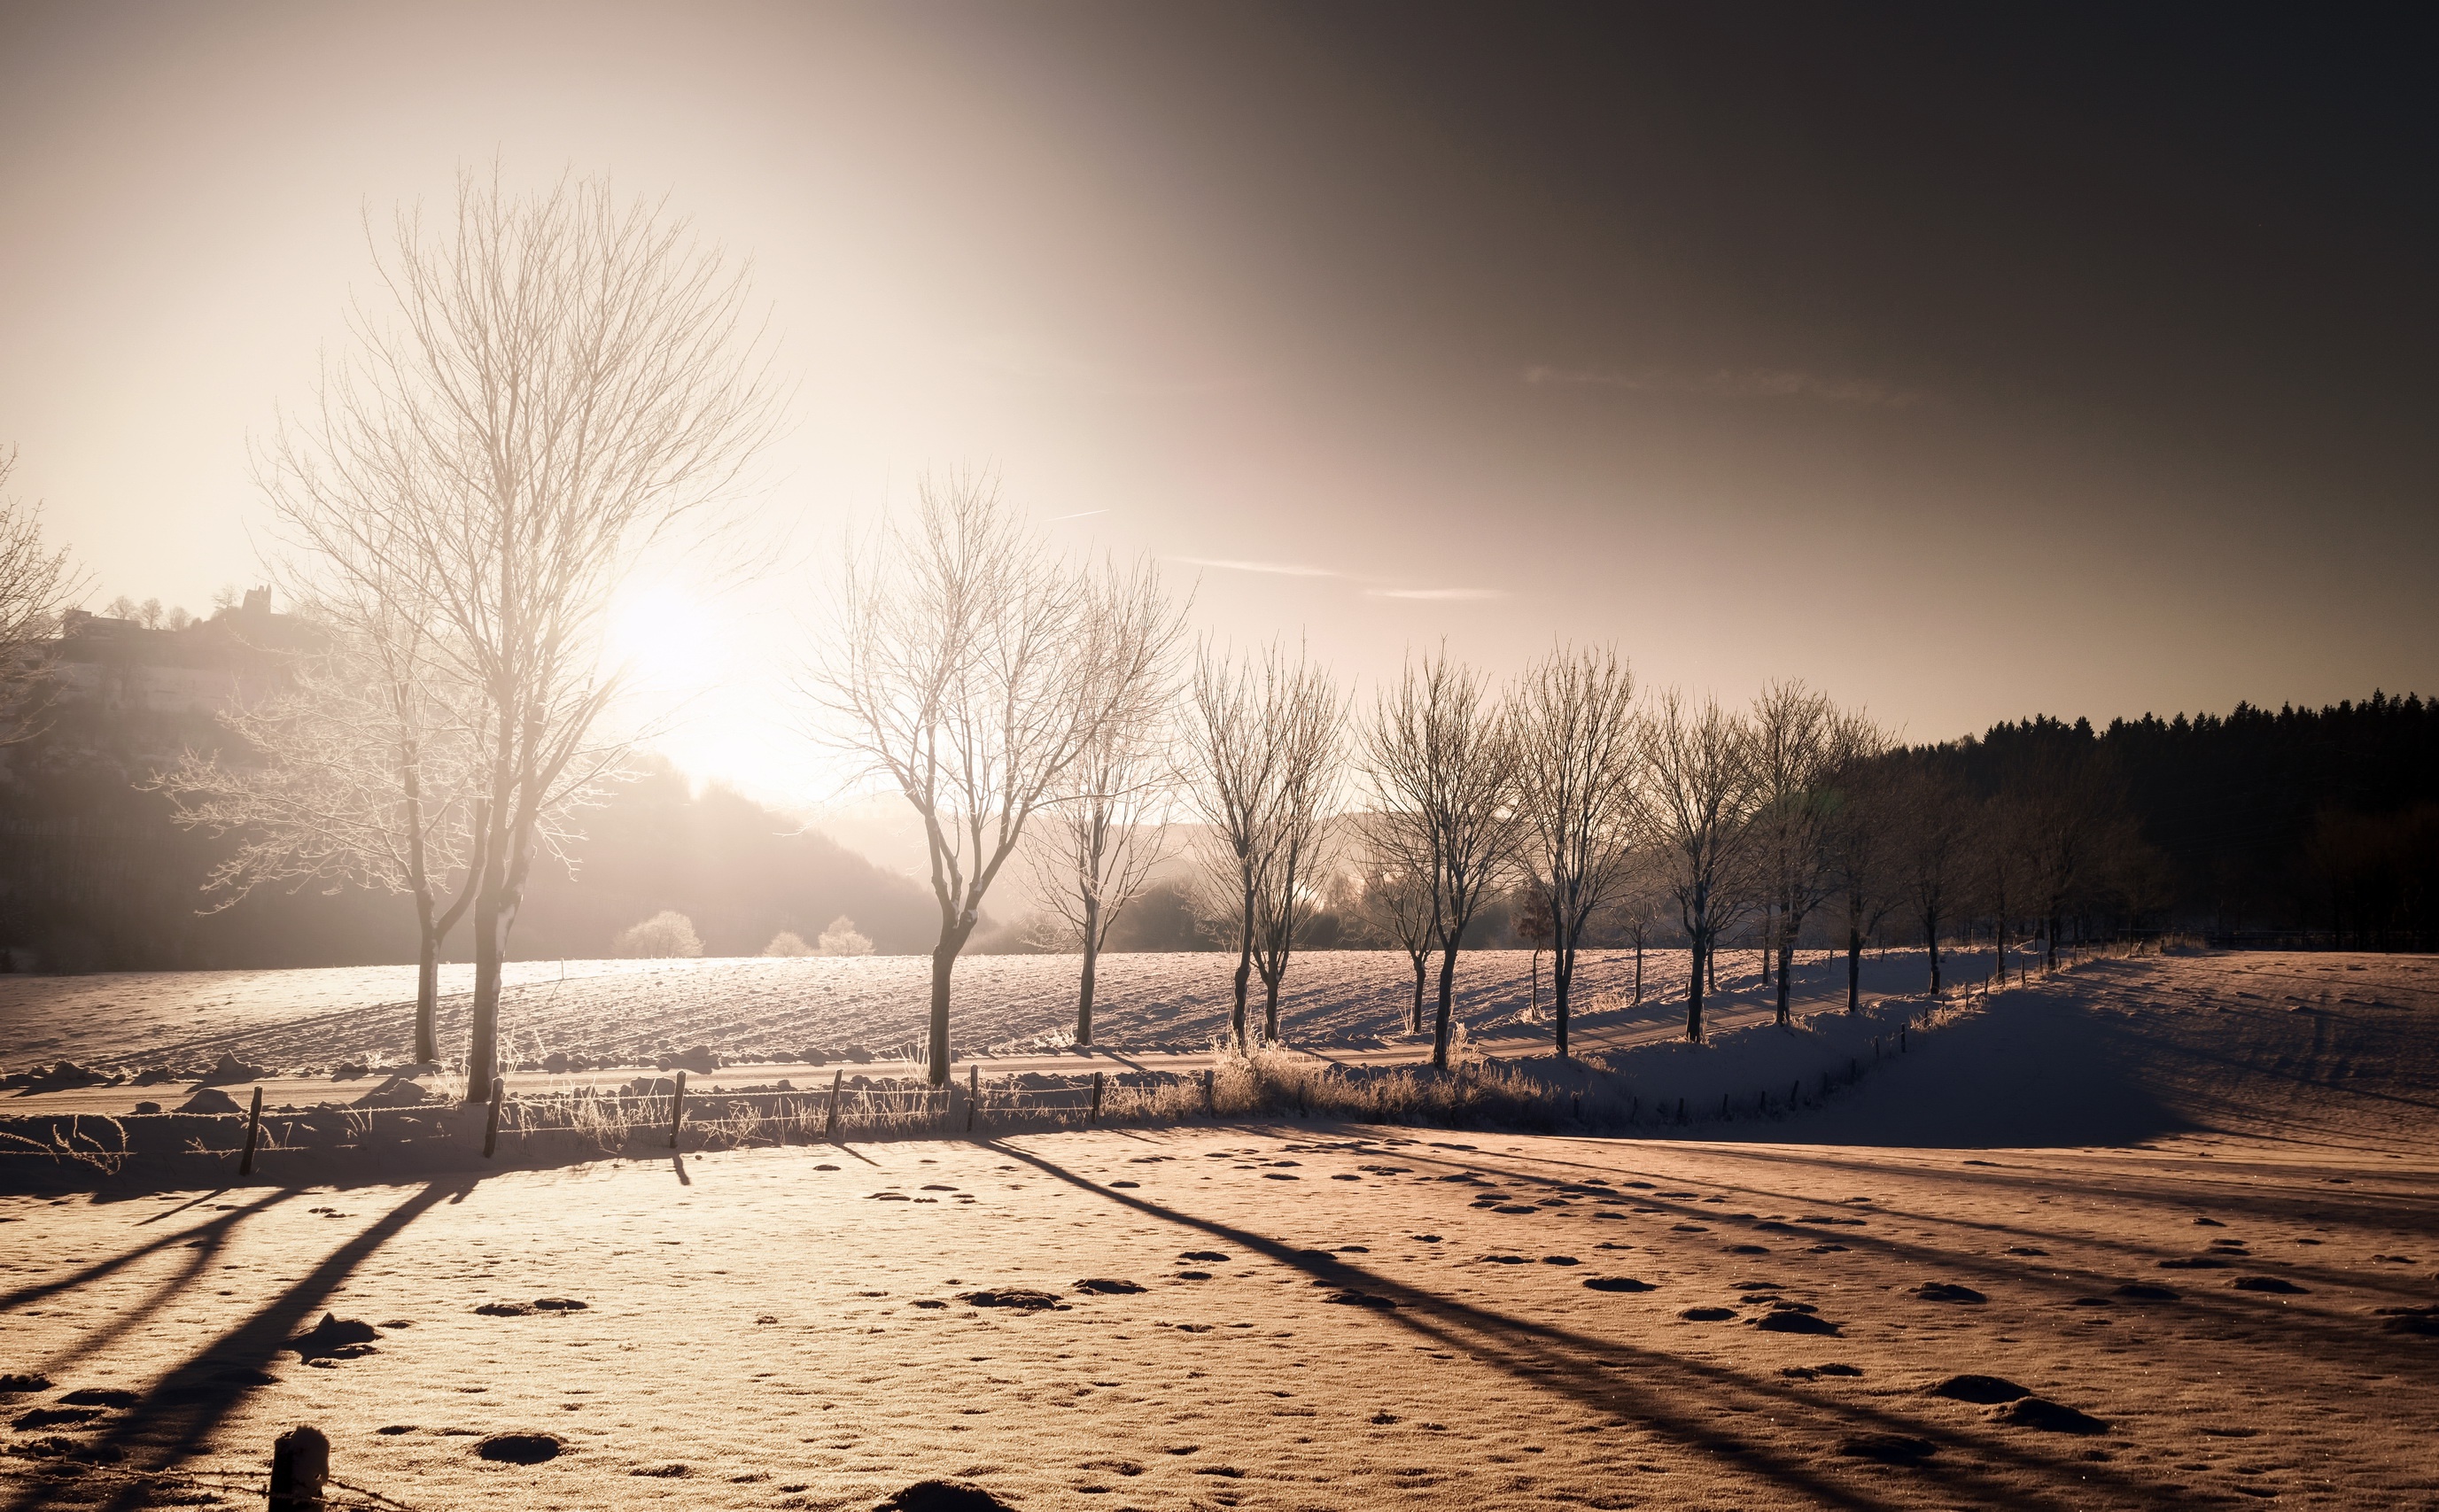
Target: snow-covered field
624,1013
1328,1318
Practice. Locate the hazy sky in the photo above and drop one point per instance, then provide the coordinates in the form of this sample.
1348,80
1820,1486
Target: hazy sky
1966,363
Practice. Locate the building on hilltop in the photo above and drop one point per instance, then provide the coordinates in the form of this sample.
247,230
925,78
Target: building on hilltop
119,666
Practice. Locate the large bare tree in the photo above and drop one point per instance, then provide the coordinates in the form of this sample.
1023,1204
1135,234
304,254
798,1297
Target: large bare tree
973,670
37,583
1095,851
1440,761
366,769
560,384
1577,794
1698,796
1262,735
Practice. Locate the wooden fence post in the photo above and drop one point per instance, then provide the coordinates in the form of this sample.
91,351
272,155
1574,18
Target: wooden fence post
1095,1117
1210,1094
300,1461
677,1109
829,1125
491,1122
253,1129
973,1092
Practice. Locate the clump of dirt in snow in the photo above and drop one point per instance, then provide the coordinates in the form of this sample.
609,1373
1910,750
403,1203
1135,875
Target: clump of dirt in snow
1947,1291
1020,1297
228,1069
521,1448
210,1100
335,1338
941,1496
1988,1391
397,1092
2048,1417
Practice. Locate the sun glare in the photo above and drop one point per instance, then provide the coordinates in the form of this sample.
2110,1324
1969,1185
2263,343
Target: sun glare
667,637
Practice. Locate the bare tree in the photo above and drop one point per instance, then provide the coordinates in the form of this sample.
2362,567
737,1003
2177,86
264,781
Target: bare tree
1860,838
1095,851
36,585
974,672
1402,894
1700,791
1441,762
1934,841
1798,747
367,770
1263,731
2070,825
1308,732
1578,779
563,385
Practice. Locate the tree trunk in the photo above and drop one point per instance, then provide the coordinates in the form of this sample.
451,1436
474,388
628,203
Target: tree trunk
1562,975
2049,945
1930,938
1638,970
1785,954
1536,980
1448,997
1244,974
1269,1008
483,1016
427,992
1694,988
1854,970
1092,958
944,966
1420,961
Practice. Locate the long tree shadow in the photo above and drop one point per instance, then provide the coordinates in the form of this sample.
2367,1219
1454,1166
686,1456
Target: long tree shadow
212,1232
173,1419
2339,1329
1590,1370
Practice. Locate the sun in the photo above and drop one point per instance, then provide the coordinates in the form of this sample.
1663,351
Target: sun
662,636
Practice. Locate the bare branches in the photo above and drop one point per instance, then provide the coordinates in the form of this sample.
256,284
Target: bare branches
1441,764
36,585
1701,790
1577,791
1264,735
560,384
976,673
1095,850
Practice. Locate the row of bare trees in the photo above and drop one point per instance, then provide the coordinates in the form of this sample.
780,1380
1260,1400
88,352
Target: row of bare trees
561,386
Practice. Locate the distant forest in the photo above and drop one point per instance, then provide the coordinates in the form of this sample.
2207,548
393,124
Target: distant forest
2310,820
2323,821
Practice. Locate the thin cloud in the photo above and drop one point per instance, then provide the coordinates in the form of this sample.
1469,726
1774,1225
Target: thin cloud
1444,595
1751,383
1279,569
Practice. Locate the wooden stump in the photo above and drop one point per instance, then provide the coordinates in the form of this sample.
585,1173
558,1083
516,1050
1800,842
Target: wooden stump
829,1125
300,1463
491,1120
677,1110
1095,1117
252,1131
